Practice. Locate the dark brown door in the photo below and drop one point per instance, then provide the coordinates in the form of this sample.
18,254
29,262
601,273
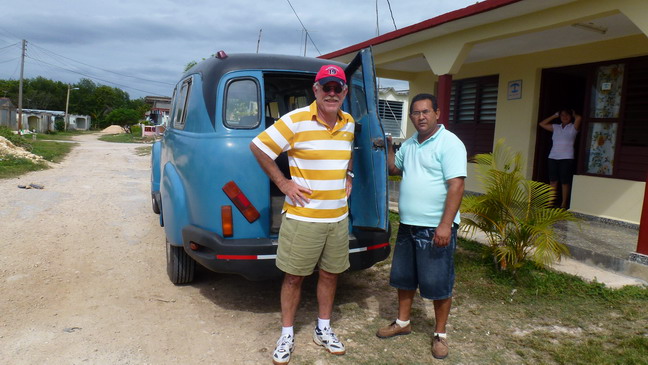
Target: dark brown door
560,88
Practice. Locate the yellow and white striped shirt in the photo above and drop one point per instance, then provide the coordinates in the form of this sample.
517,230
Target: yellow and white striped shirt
318,157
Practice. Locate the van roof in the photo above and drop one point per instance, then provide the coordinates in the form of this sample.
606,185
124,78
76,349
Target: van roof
213,69
258,61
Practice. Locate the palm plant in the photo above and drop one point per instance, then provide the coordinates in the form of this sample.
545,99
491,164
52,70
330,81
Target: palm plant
516,215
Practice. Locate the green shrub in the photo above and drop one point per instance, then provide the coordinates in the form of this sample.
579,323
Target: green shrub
516,214
136,130
17,140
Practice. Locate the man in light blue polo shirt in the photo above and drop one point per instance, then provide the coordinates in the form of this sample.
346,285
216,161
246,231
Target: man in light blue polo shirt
433,164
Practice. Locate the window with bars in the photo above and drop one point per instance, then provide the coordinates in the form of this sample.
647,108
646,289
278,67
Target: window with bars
391,116
473,110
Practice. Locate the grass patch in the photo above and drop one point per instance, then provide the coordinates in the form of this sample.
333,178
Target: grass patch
537,317
51,151
59,136
125,138
143,151
12,166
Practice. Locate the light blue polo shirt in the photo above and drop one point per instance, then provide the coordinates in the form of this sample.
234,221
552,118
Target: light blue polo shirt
426,168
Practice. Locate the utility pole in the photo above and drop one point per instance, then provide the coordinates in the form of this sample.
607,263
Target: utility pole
305,41
377,25
67,103
259,40
20,87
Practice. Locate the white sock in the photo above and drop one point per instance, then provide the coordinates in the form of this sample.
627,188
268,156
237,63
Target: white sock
402,323
441,335
323,323
287,331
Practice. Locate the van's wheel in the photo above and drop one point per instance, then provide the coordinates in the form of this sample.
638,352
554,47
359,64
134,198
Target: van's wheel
156,207
180,266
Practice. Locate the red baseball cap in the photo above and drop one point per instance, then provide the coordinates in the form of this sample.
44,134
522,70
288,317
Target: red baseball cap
330,73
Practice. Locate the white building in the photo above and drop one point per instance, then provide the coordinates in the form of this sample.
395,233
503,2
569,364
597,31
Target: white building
393,106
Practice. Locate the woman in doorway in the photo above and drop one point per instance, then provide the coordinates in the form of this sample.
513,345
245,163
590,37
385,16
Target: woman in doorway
561,158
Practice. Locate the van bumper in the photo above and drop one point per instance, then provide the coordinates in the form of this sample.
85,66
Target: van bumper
254,258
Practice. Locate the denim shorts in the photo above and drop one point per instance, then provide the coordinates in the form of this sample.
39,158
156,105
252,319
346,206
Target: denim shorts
417,262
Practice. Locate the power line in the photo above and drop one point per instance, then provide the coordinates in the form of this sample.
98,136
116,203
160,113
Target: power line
45,53
392,15
306,30
9,60
102,69
11,45
96,78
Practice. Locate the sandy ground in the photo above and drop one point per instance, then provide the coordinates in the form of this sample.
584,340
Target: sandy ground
83,280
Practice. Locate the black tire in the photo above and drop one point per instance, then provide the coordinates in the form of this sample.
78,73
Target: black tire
154,203
180,266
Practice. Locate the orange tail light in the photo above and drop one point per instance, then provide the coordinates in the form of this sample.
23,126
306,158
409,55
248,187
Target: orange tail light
226,221
241,201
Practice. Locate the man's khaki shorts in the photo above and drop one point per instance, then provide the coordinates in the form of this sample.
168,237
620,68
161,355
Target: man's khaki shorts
302,245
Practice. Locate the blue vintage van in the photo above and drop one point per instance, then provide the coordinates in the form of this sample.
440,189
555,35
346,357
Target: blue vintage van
217,207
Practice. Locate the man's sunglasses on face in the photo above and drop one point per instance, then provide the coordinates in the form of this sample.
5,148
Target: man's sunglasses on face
337,88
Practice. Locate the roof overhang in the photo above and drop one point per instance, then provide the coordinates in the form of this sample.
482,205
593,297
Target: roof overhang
544,34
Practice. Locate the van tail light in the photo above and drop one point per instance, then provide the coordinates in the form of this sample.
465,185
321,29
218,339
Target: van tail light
226,221
241,201
221,55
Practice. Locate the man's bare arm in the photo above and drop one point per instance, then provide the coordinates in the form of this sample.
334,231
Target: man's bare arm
453,201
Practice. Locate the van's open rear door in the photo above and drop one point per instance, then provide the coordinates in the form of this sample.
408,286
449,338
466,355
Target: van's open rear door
369,204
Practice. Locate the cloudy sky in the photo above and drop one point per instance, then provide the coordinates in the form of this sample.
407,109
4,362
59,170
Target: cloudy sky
143,46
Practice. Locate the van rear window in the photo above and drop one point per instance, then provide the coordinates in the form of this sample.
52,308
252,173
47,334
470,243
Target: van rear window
242,104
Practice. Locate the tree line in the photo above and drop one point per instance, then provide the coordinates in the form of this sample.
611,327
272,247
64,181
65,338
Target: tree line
104,104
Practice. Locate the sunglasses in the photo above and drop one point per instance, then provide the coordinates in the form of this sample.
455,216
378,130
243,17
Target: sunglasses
337,88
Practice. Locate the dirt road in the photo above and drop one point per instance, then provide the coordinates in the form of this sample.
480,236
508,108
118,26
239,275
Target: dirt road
83,281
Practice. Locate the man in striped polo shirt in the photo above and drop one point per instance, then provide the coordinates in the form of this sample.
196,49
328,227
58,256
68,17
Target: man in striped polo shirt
314,227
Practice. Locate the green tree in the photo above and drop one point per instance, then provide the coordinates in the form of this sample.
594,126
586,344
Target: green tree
140,105
516,214
88,98
97,101
123,116
192,63
189,65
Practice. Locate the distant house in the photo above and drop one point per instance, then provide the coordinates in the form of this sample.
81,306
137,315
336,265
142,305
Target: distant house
43,121
392,109
160,108
8,113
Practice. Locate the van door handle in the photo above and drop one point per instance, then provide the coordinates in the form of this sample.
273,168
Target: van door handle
378,143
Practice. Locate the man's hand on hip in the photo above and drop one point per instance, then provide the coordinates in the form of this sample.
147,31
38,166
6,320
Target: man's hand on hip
295,192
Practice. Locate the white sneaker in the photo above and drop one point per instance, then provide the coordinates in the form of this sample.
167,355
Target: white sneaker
285,347
329,340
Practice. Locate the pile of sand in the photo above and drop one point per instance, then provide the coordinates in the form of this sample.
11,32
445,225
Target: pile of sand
8,148
113,129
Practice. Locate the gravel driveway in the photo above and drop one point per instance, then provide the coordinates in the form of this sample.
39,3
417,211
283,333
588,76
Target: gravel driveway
83,275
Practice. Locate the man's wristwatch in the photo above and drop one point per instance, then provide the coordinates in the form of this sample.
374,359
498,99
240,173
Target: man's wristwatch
350,174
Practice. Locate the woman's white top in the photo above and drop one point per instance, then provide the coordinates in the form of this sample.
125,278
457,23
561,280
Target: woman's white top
563,142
